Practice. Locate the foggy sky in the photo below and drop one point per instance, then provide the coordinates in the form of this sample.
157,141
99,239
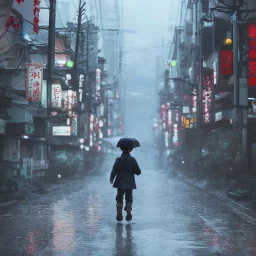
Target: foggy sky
150,18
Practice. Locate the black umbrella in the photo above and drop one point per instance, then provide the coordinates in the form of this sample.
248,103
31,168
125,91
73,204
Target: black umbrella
128,143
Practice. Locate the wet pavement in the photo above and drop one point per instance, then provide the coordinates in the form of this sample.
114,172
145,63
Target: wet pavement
169,218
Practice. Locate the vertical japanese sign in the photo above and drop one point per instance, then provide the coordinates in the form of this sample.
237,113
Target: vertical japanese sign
252,55
36,11
194,102
163,116
67,99
34,82
207,94
226,62
91,130
98,82
175,138
74,99
81,87
56,96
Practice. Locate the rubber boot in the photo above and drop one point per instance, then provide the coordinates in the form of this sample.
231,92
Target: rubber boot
119,208
128,209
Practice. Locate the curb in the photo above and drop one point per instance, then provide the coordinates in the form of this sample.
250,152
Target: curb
8,204
246,213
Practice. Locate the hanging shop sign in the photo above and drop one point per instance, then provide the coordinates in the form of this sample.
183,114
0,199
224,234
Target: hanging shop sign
67,99
169,116
98,83
207,93
166,139
163,116
215,72
91,130
44,94
81,87
61,130
36,11
34,82
226,62
194,102
74,124
74,99
117,94
252,55
175,137
56,96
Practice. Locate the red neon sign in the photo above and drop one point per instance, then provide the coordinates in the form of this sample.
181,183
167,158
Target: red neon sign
226,62
252,55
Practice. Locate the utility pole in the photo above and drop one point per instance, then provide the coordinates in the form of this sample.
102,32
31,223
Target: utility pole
235,68
50,70
200,94
76,68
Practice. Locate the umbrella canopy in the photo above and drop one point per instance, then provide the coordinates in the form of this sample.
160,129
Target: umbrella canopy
128,143
112,141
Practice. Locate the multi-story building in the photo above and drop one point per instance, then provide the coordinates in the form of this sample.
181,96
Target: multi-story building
201,81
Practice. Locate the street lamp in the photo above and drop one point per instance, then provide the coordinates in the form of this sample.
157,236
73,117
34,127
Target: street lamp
228,39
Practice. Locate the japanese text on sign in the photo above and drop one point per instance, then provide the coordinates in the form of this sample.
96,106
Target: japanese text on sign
81,85
36,11
56,96
34,82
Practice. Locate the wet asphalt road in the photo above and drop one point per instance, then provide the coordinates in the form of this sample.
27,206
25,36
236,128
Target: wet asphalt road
170,218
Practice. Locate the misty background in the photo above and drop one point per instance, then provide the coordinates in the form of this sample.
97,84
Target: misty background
152,22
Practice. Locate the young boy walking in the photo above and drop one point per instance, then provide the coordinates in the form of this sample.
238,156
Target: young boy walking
124,169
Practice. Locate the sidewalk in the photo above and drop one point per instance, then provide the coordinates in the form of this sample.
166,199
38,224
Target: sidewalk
12,199
246,209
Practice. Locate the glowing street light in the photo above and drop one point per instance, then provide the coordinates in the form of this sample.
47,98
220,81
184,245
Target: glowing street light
228,39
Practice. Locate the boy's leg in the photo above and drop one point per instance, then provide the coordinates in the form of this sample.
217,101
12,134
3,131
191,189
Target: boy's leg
119,204
129,201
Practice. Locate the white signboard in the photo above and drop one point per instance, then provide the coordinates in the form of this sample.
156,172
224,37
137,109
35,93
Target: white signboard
61,130
34,82
218,116
44,94
56,96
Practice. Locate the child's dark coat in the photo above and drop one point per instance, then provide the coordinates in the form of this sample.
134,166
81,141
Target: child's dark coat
124,169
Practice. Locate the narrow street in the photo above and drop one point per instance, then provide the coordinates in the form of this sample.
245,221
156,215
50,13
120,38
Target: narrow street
169,218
